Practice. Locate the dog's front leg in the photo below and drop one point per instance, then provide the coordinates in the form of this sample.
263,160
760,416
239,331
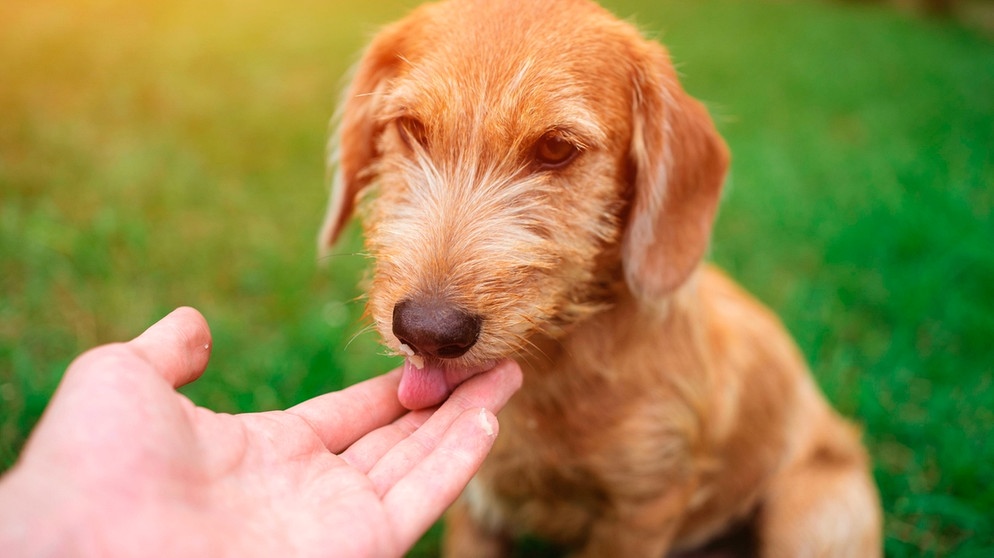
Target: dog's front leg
467,538
621,538
642,530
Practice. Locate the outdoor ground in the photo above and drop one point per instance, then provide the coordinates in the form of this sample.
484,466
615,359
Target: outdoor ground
168,153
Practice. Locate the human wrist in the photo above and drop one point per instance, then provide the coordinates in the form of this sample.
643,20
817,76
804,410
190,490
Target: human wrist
34,519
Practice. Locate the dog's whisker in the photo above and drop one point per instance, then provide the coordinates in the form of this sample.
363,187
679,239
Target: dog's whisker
366,329
531,350
323,258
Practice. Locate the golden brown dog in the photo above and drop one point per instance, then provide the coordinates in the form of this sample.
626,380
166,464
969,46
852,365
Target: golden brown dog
535,184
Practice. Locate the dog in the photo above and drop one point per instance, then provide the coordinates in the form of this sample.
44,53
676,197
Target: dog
535,184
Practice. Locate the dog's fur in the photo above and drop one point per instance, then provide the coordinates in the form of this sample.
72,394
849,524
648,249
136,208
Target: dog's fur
661,405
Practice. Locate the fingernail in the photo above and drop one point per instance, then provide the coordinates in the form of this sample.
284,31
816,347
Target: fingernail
488,422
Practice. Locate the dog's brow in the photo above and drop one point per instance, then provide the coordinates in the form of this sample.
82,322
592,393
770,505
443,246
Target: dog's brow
582,131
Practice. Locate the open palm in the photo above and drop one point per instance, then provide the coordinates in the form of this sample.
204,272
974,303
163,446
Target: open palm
121,464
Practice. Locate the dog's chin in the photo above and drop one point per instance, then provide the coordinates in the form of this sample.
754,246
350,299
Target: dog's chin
426,382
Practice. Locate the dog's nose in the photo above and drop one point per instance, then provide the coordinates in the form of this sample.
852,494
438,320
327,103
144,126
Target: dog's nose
435,328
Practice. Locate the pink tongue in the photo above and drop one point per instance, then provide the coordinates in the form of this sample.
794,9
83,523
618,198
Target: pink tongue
422,388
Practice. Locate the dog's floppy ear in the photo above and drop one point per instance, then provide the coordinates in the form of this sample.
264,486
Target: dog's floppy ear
353,145
679,163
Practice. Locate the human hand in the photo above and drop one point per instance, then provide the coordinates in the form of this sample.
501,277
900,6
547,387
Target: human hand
121,464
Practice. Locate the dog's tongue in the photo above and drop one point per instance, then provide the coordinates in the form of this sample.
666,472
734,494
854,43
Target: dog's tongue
422,387
429,385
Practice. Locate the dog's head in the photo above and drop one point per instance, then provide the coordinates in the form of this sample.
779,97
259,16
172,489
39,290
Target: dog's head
523,161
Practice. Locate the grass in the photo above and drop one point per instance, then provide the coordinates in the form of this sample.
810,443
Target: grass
153,155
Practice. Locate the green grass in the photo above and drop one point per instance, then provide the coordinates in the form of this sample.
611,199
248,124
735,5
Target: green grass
158,155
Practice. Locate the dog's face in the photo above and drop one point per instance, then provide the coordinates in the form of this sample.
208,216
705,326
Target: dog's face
525,161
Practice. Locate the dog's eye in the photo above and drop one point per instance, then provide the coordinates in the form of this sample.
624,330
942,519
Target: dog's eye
554,151
412,131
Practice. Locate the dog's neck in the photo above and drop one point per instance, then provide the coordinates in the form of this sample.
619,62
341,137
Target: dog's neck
670,324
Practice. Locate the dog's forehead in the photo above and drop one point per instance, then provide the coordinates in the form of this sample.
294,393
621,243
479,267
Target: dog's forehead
498,97
507,64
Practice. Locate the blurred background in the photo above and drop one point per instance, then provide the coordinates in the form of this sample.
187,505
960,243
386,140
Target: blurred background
156,154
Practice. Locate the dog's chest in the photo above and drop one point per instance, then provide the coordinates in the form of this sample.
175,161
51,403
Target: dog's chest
559,464
539,488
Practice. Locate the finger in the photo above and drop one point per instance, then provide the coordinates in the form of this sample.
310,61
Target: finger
422,495
365,452
342,417
177,347
368,450
130,379
489,390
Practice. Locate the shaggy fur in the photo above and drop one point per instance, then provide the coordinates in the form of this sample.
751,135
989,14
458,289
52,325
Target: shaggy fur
536,166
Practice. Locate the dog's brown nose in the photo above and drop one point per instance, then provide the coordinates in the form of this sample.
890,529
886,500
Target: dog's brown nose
435,328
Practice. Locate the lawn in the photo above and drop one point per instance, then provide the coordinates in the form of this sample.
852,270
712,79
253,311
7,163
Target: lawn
168,153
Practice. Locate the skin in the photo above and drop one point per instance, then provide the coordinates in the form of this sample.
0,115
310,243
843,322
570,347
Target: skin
122,464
